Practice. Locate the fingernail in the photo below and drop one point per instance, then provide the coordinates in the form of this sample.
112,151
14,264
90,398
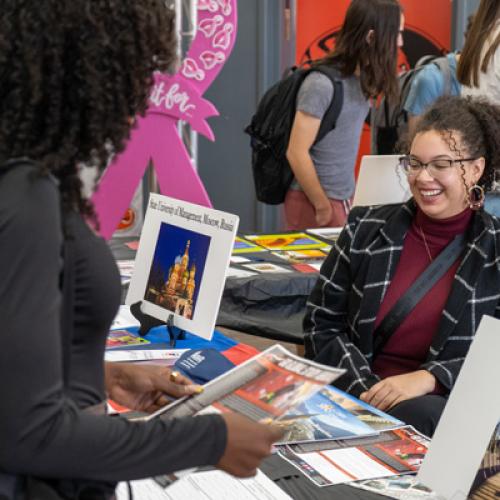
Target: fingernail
197,389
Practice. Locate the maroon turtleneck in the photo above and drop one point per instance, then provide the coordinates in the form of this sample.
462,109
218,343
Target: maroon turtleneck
408,347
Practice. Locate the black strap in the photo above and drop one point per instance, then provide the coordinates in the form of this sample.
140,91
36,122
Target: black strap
436,270
331,115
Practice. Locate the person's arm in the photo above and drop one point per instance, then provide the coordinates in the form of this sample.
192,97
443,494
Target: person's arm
393,390
42,431
327,333
145,387
304,131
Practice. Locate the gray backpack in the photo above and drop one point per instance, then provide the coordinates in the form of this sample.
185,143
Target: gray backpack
390,121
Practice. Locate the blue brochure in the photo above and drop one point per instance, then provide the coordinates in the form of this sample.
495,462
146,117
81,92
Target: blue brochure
334,414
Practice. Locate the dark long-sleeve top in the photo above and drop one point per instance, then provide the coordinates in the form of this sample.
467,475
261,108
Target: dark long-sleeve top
43,430
343,306
407,348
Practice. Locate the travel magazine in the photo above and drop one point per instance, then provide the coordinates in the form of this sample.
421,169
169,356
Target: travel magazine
265,388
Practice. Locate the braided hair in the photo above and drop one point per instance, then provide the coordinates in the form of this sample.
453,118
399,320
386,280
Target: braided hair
73,74
477,123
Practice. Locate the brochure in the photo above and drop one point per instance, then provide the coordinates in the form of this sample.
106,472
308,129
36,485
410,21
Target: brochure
264,388
243,246
326,233
181,263
266,267
394,452
397,487
334,414
134,355
124,338
207,485
300,256
287,241
305,268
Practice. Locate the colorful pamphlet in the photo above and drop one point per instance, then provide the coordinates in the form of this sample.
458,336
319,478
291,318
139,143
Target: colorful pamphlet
243,246
287,241
124,338
334,414
264,388
390,453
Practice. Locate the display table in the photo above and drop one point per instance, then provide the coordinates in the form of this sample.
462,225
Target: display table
281,472
270,305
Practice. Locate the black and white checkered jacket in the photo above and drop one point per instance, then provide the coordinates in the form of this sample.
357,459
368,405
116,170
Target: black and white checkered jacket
344,303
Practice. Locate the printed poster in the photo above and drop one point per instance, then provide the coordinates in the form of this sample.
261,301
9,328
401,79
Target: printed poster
181,263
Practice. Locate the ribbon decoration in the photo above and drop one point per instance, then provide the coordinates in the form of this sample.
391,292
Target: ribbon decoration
155,137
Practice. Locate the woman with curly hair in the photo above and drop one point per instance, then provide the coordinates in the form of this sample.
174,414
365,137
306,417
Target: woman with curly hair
409,368
73,75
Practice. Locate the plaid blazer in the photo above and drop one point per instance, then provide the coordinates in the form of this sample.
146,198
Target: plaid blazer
344,303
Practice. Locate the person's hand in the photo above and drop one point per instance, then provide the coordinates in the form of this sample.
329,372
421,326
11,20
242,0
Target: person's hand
247,444
146,387
392,390
323,214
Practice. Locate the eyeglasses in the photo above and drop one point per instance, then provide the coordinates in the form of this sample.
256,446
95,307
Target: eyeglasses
435,168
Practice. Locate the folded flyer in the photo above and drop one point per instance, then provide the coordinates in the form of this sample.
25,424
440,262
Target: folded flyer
390,453
334,414
264,388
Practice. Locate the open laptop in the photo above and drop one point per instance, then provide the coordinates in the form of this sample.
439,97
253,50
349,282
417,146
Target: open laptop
380,181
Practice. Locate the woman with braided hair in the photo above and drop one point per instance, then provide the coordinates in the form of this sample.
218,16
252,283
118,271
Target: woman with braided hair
409,367
73,75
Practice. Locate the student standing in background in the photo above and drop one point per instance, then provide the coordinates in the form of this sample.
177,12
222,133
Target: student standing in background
365,56
479,66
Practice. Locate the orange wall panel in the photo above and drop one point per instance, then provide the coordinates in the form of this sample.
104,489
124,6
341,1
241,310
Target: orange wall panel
427,31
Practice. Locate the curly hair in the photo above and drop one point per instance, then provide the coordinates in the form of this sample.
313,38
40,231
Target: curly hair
478,124
73,74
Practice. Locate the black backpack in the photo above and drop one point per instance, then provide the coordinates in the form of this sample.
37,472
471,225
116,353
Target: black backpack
390,121
270,131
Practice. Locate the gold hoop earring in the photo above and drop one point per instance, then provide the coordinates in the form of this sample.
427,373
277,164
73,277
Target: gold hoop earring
475,197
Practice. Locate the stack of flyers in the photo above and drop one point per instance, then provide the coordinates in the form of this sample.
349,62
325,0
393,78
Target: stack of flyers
390,453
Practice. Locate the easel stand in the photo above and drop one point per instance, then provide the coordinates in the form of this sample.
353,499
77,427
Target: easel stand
147,322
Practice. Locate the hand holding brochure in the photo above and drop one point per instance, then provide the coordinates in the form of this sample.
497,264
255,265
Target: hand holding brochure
266,387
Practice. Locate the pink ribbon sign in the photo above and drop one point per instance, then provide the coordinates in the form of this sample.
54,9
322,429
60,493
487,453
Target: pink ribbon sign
155,136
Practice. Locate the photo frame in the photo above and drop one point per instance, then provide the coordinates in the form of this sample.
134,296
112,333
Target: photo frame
181,263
